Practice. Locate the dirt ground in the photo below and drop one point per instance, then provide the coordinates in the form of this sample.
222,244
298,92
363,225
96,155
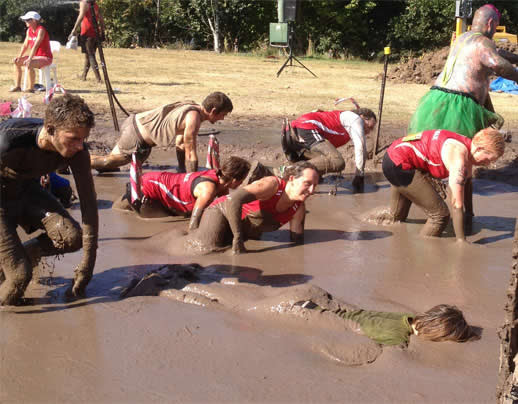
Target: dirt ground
156,349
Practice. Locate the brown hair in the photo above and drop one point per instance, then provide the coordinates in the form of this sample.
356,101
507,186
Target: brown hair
69,111
297,169
234,168
366,113
490,140
443,323
219,101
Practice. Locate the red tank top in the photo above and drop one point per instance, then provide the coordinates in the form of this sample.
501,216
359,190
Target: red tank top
87,25
44,48
173,190
422,151
327,123
267,206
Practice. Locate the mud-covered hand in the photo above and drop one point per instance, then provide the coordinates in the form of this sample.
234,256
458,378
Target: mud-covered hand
457,217
81,279
358,183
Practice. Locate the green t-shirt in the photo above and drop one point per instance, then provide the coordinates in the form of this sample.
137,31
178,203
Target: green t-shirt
383,328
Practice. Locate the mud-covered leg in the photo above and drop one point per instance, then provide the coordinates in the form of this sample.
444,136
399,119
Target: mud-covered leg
399,204
423,194
16,266
109,162
213,234
325,157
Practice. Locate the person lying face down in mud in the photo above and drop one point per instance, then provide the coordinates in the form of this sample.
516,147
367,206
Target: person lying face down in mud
441,154
314,306
166,193
264,205
169,125
316,136
30,148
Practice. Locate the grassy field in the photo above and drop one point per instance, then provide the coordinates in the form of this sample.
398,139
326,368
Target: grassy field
145,78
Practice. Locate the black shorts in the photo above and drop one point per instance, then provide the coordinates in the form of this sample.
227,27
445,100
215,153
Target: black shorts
395,174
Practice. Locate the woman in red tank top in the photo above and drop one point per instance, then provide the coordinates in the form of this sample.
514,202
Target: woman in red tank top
411,161
88,40
264,205
37,42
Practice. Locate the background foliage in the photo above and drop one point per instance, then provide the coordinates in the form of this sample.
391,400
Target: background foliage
336,28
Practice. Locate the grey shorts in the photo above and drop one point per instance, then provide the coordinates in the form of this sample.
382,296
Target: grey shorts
131,140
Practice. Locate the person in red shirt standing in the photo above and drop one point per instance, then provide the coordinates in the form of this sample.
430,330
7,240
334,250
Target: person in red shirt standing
441,154
88,40
38,43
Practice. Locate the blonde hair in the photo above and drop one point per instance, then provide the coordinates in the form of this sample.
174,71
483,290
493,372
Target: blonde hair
443,323
490,140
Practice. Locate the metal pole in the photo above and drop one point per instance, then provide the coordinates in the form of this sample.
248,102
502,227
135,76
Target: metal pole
109,90
382,94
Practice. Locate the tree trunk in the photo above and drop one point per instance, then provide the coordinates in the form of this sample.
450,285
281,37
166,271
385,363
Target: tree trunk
507,389
157,22
214,25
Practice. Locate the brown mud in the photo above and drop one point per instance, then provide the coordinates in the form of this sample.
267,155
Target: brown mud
426,68
158,349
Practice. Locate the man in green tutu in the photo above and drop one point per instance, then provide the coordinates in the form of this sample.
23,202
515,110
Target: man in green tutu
459,100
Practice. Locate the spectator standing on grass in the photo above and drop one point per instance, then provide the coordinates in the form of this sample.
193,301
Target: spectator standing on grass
88,39
37,42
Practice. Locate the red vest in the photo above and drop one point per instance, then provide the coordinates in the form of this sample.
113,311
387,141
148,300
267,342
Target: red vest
87,25
327,123
267,206
44,48
173,190
422,151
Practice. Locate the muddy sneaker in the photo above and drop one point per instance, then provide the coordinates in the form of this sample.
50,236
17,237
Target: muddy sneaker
256,172
108,170
306,304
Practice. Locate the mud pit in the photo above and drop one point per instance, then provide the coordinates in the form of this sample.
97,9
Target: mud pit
156,349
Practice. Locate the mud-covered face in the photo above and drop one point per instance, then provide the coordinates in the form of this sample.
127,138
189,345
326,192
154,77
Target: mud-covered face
368,125
215,117
68,142
484,157
304,186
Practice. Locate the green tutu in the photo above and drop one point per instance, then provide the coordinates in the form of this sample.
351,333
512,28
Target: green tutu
454,112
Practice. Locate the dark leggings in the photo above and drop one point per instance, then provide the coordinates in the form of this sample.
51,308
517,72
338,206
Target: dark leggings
33,209
412,186
89,48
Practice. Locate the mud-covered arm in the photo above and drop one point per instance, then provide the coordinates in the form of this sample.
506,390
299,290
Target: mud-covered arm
204,194
190,137
262,189
455,158
353,124
502,67
297,225
80,165
509,56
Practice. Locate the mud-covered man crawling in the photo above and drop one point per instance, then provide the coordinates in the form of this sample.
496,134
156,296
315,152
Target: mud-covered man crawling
30,148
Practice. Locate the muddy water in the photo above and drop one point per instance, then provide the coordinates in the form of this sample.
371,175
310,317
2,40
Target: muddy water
156,349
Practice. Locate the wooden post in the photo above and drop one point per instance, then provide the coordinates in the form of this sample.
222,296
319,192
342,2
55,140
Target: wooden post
507,389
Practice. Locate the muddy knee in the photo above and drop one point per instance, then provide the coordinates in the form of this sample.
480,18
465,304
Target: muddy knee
436,223
64,233
17,278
